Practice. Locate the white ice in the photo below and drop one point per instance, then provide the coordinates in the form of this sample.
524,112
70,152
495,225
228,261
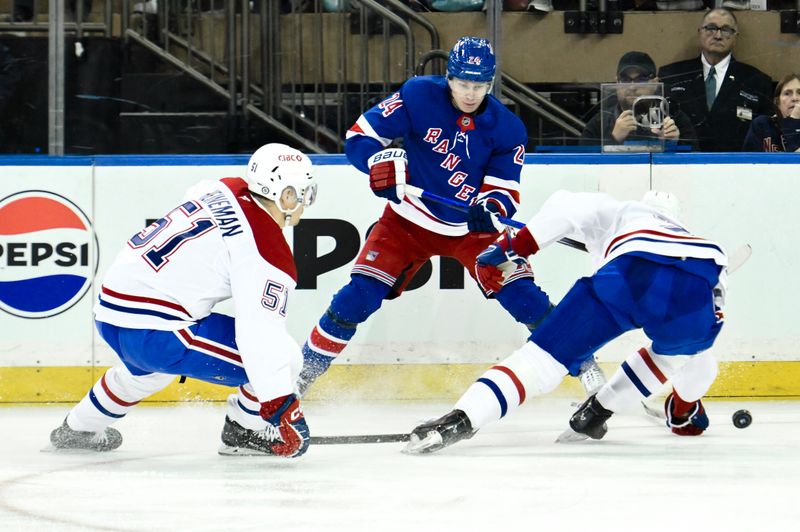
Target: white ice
168,476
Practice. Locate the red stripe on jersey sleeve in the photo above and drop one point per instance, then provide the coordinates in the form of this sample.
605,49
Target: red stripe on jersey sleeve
486,188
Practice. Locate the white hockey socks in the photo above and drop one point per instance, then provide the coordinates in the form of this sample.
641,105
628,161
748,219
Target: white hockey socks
244,408
112,397
640,375
529,371
694,379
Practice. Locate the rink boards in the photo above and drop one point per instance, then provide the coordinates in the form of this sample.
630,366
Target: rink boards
62,220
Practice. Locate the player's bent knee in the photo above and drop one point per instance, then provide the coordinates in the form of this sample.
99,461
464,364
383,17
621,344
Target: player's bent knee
537,371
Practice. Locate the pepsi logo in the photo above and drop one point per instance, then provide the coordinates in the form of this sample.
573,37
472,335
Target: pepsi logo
48,254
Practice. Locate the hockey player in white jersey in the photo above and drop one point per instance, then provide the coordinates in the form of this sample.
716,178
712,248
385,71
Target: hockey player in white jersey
652,274
225,241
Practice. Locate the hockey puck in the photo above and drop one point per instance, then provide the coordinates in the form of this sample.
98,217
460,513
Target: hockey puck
742,419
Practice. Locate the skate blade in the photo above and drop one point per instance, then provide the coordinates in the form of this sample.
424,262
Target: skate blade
226,450
430,443
570,436
58,450
650,411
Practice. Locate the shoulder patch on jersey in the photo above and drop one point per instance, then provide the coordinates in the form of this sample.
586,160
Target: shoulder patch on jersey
271,244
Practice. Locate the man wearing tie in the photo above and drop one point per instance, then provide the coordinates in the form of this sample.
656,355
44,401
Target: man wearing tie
720,94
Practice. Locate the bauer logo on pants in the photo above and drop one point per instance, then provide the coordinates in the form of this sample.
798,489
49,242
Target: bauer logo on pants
48,254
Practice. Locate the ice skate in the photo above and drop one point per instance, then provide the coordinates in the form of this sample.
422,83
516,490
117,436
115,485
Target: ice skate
440,433
239,441
66,438
590,419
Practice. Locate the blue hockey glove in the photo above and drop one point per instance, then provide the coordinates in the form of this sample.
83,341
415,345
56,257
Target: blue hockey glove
685,419
483,218
492,261
388,171
284,413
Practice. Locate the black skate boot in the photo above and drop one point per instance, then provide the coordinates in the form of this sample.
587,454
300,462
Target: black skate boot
237,440
440,433
66,438
590,419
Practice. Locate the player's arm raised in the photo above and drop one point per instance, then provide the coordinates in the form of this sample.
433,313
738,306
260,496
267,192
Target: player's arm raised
367,146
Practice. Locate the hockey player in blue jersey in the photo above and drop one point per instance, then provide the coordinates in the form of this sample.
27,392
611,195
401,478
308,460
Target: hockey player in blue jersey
458,142
653,274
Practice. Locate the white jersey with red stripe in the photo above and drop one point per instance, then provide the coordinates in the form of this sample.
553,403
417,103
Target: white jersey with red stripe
217,245
611,228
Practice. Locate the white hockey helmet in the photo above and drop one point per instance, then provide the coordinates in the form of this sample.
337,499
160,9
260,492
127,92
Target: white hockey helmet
275,167
664,202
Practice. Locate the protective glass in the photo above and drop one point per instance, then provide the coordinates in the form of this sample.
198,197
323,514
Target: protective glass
646,102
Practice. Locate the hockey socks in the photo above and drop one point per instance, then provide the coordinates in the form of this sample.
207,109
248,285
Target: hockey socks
328,338
113,396
529,371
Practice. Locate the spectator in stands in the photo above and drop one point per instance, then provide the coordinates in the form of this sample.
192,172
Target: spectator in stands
720,94
620,125
780,131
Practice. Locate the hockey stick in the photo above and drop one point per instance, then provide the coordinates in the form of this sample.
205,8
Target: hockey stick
424,194
359,438
737,259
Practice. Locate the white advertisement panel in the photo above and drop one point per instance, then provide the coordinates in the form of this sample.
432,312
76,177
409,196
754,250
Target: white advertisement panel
442,319
48,256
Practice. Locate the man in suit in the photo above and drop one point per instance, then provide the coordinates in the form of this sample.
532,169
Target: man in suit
720,94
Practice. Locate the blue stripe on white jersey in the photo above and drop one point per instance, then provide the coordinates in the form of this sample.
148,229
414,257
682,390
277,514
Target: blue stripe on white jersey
664,242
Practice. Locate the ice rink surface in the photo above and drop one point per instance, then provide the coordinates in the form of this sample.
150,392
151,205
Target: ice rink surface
168,476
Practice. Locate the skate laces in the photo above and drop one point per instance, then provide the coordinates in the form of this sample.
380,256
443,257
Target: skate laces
99,437
270,433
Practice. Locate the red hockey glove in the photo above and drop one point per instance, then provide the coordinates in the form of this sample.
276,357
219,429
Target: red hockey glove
499,259
492,261
284,413
483,218
684,418
388,170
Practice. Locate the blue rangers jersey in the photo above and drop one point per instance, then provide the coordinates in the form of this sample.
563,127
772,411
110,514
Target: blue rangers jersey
461,156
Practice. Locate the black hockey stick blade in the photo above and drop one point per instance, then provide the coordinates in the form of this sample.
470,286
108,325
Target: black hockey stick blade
359,438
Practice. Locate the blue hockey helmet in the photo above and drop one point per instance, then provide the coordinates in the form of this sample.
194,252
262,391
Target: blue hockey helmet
472,58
